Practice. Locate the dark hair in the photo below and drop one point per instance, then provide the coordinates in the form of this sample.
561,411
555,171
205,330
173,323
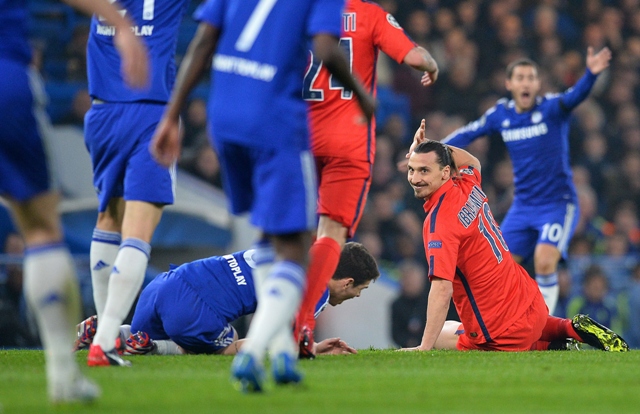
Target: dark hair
356,262
520,62
442,151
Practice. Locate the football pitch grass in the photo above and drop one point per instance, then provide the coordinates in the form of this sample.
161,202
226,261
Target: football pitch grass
373,381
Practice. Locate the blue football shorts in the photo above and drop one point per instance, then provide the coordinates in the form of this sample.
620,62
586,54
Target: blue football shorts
117,136
278,186
23,165
169,308
524,227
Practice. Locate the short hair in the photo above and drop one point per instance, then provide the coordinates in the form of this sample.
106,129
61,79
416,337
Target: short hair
520,62
443,152
357,263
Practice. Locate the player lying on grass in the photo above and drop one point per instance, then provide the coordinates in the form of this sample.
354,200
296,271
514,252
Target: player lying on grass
500,305
189,308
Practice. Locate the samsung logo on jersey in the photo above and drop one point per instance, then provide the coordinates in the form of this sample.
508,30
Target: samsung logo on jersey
146,30
469,211
519,134
235,269
244,67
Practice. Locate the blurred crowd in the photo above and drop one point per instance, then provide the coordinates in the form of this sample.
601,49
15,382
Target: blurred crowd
473,41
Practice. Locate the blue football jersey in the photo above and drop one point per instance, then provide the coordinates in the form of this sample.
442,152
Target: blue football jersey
226,283
259,65
13,31
223,282
537,141
157,22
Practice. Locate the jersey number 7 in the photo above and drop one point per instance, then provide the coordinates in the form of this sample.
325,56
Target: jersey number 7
251,30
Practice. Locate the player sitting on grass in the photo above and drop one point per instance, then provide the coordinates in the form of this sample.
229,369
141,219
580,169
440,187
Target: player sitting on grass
189,308
499,304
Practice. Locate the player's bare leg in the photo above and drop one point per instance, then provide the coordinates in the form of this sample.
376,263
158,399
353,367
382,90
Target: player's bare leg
449,336
545,262
324,258
139,223
51,290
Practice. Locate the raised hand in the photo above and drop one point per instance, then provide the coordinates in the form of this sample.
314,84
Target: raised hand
599,61
418,138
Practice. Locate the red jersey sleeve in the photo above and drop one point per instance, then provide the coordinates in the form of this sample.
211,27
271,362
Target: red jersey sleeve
389,36
441,243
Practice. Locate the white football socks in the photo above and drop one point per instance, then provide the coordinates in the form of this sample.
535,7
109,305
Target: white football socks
283,342
279,300
51,290
263,258
550,290
104,249
124,283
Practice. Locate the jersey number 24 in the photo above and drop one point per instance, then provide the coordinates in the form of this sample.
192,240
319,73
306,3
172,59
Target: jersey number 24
317,94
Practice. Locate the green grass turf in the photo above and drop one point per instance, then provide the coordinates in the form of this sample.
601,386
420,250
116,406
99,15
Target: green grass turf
370,382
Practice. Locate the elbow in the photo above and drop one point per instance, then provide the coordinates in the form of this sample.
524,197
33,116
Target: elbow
442,287
475,163
419,59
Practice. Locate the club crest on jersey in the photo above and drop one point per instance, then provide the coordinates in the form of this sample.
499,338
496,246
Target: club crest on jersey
536,117
392,21
506,123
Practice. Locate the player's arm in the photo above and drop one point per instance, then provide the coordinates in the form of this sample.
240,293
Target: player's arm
326,48
464,158
481,127
437,309
596,63
420,59
132,51
166,142
387,34
234,348
460,157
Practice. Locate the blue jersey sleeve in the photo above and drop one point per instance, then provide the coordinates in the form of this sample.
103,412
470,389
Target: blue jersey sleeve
326,17
578,92
211,12
464,136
